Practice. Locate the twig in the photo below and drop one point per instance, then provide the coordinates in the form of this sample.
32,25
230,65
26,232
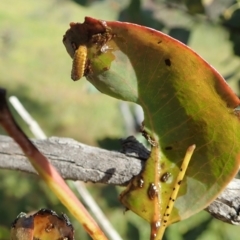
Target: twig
74,160
77,161
33,125
80,187
96,211
47,172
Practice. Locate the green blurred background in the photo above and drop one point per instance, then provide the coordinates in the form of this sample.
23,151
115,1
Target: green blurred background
35,67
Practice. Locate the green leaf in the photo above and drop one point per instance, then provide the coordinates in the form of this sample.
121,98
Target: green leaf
185,102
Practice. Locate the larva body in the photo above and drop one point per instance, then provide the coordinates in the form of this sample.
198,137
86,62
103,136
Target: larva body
79,63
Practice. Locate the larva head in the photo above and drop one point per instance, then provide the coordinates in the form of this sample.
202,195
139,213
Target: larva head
80,34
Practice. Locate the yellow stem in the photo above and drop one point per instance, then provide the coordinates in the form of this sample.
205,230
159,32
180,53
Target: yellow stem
175,191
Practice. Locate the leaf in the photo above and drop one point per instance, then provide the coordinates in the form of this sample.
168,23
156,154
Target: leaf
185,102
43,225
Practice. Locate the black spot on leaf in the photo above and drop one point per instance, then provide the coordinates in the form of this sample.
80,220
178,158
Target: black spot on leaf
168,62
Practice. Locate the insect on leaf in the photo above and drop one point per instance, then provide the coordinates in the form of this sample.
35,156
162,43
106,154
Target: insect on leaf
185,102
79,62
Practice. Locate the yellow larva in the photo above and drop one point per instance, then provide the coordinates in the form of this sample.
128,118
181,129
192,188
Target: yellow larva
177,184
79,63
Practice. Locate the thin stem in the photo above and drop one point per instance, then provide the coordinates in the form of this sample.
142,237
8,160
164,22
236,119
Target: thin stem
48,173
175,191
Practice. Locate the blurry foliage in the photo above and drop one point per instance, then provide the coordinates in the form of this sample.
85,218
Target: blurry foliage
231,20
194,6
35,67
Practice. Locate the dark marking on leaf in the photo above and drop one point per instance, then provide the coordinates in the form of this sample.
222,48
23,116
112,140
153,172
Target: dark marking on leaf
168,62
165,177
105,68
168,148
140,182
179,183
152,191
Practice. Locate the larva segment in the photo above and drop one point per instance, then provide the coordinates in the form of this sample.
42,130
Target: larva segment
79,63
176,188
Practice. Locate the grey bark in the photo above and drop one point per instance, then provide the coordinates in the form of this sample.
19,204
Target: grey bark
78,161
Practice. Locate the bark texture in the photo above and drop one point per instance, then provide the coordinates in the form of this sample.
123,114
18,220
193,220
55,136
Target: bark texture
78,161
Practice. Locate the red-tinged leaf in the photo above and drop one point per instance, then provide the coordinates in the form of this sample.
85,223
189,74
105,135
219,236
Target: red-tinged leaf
185,102
42,225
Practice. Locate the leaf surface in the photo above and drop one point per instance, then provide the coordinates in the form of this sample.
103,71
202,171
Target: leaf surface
185,102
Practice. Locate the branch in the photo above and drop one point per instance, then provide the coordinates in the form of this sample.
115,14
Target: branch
78,161
74,160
